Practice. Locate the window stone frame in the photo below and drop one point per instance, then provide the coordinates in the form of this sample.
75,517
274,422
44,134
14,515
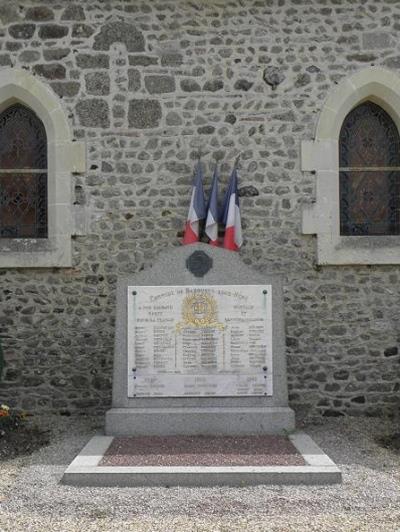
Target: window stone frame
64,157
321,156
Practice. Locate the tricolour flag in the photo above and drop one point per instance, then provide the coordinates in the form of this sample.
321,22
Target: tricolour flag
231,215
197,209
212,212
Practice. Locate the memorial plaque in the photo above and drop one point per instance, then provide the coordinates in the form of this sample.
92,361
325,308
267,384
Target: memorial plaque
199,340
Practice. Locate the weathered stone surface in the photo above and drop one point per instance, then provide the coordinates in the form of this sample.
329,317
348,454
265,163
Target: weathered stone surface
50,70
29,56
248,191
213,85
97,83
116,32
142,60
376,40
67,88
273,76
391,351
189,85
92,61
13,46
230,118
55,54
82,31
5,60
22,31
134,79
173,119
243,85
39,13
159,84
8,13
93,112
206,130
362,58
73,12
392,62
303,79
144,114
171,59
53,31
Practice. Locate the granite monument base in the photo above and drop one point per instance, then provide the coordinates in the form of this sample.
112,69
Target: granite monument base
218,421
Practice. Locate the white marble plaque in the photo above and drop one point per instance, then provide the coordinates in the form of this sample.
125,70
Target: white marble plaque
199,340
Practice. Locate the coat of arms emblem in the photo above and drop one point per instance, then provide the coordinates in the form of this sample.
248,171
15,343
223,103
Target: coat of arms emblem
200,310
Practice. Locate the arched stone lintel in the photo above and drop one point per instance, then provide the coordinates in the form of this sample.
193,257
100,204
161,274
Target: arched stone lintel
321,156
20,86
64,157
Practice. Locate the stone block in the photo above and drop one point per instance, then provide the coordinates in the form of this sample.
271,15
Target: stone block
213,85
82,31
39,13
189,85
22,31
159,84
144,114
55,54
73,12
29,56
173,119
392,62
53,31
243,85
67,88
119,32
93,112
8,13
142,60
376,40
5,60
97,83
273,76
92,61
172,59
50,70
134,79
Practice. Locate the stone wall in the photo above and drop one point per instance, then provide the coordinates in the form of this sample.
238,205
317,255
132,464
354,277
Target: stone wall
147,85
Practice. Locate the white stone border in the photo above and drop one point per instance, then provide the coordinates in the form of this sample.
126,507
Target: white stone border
322,156
85,471
64,157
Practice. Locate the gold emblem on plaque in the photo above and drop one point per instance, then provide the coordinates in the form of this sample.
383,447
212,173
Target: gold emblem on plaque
199,310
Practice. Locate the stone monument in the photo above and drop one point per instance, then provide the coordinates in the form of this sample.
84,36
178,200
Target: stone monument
199,349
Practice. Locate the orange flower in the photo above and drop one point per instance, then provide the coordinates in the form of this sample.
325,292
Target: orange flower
4,413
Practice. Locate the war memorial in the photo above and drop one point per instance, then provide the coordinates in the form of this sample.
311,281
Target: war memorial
105,108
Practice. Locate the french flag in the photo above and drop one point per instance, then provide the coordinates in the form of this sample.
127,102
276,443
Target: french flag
231,215
197,209
212,212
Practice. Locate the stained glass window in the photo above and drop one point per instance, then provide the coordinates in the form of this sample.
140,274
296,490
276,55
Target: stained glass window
369,161
23,174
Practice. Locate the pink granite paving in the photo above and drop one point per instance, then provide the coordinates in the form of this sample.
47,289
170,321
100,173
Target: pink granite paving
265,450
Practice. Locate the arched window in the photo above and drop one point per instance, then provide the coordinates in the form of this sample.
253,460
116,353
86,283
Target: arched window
23,174
369,166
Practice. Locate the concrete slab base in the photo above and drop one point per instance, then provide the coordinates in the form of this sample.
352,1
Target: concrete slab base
85,471
214,421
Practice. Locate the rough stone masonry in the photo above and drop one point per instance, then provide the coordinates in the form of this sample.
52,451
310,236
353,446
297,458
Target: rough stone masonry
148,84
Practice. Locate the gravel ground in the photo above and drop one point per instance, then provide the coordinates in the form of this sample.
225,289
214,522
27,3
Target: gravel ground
31,498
